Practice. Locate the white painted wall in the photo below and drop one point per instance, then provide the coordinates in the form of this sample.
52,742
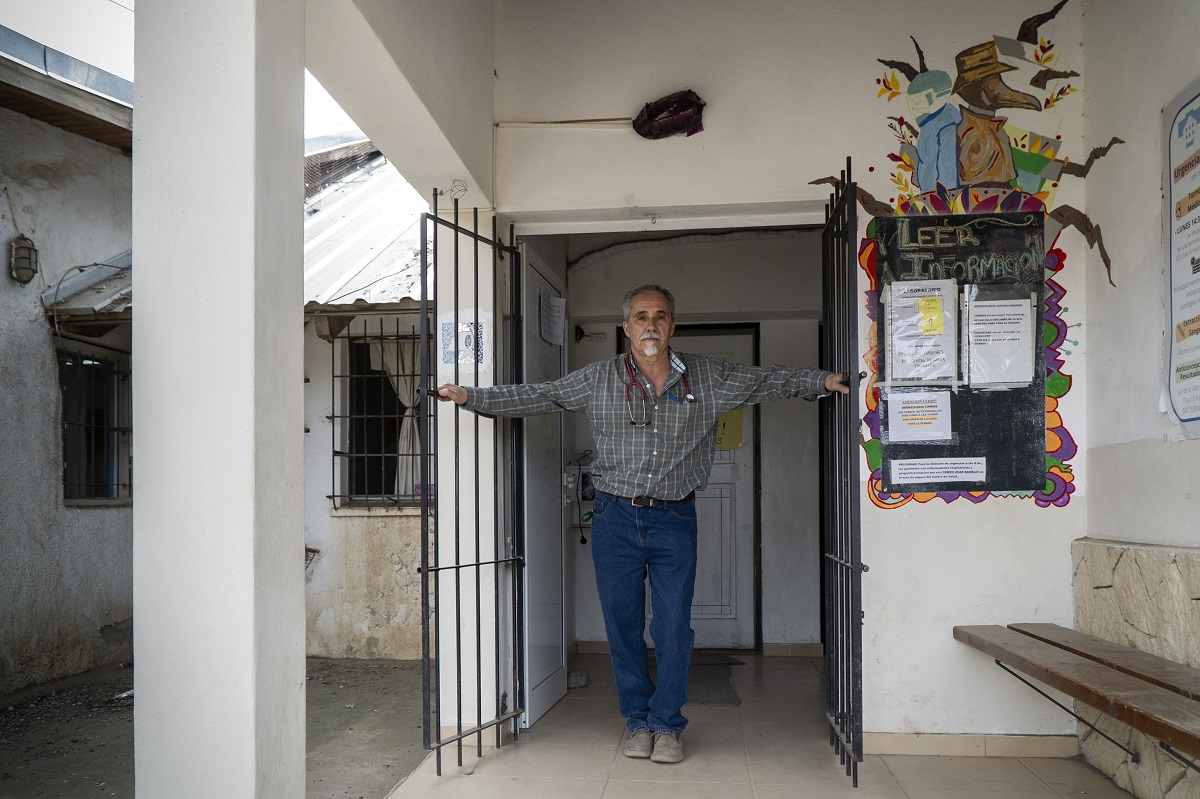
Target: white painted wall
718,281
775,74
1143,474
66,577
936,566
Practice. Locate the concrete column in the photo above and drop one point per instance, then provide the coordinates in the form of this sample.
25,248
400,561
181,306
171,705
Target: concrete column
218,336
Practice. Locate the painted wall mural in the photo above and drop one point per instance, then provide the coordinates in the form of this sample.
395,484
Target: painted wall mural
955,153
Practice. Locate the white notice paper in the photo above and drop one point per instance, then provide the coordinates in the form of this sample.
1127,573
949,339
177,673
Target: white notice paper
552,314
921,330
918,415
939,470
1000,336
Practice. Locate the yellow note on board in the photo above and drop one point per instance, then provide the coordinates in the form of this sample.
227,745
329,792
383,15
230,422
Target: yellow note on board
729,430
930,311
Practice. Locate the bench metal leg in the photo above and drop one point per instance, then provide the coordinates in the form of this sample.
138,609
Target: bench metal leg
1134,756
1181,758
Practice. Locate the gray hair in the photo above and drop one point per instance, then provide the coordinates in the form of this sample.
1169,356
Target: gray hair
642,289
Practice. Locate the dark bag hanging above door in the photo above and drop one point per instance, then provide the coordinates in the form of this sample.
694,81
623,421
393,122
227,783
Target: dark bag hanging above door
676,113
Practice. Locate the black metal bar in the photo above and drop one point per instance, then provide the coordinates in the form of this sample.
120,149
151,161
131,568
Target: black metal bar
457,503
473,234
424,400
1134,756
862,567
467,733
437,544
380,399
456,228
517,575
500,547
1181,758
475,461
496,561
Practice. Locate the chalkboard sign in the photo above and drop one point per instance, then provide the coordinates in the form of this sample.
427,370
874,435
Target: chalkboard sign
961,356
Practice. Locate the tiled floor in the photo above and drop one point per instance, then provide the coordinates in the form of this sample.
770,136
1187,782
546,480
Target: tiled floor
773,745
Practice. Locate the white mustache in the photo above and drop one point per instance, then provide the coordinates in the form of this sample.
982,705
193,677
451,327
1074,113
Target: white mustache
651,337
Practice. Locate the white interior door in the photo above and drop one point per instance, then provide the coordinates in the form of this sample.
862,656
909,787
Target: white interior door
545,627
723,607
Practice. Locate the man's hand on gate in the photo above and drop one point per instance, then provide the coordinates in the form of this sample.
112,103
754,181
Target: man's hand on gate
839,382
448,392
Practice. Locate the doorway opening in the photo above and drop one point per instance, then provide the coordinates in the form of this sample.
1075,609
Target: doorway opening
750,295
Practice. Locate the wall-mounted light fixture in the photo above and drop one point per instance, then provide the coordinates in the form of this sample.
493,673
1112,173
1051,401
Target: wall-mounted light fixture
23,260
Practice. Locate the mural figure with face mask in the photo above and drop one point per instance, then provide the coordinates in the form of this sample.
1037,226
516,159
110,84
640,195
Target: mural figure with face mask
937,145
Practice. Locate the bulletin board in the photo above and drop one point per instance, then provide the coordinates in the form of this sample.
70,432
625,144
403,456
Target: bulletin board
961,370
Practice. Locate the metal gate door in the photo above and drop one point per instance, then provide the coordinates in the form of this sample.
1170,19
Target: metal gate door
471,557
842,566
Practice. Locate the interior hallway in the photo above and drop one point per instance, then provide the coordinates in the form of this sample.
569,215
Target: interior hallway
773,745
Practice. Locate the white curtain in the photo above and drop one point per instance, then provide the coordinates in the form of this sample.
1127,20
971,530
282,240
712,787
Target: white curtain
398,359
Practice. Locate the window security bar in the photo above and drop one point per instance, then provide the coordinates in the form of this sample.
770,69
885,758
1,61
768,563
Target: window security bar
376,415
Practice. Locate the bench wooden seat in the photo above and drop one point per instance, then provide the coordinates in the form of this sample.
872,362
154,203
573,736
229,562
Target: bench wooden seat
1159,712
1168,674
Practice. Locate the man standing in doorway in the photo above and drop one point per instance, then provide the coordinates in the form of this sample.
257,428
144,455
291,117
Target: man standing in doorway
654,415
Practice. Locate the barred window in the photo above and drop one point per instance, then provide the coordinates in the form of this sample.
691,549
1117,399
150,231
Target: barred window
376,438
96,426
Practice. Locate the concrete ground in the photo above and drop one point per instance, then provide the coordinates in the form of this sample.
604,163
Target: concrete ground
74,737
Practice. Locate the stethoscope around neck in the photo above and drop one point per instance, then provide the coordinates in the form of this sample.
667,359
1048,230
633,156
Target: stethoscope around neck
644,420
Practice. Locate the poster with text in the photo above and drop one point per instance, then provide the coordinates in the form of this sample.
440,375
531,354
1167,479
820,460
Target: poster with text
1181,223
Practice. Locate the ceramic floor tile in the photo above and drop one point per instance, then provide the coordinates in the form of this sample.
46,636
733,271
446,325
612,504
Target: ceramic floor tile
745,679
549,761
481,787
1074,777
577,721
638,789
978,793
425,782
812,763
843,791
786,753
799,704
781,663
980,774
774,745
728,714
600,677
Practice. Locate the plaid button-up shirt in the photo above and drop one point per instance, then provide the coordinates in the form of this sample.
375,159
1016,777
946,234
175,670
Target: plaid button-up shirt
672,455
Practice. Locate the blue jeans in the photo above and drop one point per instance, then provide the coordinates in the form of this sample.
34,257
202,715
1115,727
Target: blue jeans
627,544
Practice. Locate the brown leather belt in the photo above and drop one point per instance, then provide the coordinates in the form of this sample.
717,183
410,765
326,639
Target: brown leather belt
653,502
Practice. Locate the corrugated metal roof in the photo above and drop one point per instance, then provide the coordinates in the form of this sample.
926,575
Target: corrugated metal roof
362,249
101,290
362,242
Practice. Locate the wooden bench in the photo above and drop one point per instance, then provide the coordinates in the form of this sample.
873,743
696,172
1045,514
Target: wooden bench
1156,696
